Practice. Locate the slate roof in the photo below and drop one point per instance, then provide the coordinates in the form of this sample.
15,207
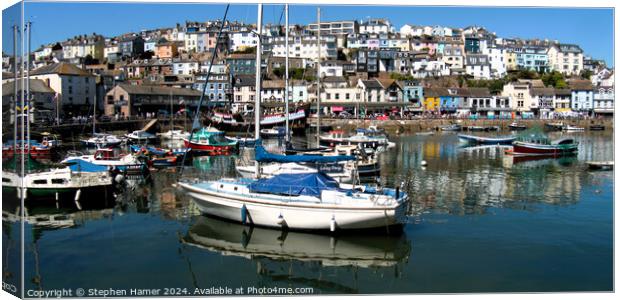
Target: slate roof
158,90
61,68
36,86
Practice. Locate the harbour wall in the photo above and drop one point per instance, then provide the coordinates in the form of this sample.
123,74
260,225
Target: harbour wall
418,125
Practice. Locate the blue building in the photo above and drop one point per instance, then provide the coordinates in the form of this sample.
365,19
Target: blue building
532,58
413,92
582,96
218,91
450,100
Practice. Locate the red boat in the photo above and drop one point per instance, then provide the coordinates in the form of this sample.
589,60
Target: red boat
36,150
211,142
543,146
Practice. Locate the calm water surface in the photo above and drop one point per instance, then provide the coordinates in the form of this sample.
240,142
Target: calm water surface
480,222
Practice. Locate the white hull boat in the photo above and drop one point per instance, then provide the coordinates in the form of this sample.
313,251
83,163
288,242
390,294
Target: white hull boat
174,135
141,136
103,141
330,211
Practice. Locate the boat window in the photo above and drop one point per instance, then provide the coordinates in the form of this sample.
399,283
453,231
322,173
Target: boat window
58,181
40,181
6,180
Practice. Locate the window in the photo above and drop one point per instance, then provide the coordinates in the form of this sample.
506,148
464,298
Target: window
86,79
70,90
347,96
328,96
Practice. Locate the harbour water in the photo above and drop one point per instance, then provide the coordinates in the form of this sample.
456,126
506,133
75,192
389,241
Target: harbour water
479,222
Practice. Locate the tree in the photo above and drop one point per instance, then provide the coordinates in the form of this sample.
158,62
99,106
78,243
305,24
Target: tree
246,50
554,79
401,77
585,74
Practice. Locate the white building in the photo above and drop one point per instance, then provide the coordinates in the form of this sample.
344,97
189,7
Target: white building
75,88
241,40
377,26
496,60
305,47
604,100
478,66
565,58
185,67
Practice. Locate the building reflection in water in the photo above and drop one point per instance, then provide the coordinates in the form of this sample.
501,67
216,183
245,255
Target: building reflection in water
469,180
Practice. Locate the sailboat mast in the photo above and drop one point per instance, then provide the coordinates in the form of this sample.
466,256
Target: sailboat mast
286,92
171,115
28,27
318,77
258,81
15,29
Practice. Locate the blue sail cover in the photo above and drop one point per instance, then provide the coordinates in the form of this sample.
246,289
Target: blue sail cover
263,155
309,184
79,165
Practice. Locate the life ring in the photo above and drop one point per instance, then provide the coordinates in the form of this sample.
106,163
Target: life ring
44,143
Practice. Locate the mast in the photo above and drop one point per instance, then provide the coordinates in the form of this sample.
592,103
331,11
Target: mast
15,29
259,28
171,115
318,77
286,93
30,106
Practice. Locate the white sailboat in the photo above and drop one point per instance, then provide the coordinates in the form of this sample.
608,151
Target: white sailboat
173,134
311,201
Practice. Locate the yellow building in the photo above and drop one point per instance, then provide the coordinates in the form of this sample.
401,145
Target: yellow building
431,100
510,60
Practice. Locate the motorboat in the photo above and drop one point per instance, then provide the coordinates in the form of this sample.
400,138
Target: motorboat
174,135
539,145
275,132
110,158
75,178
473,139
140,136
569,127
211,141
33,148
451,127
600,165
516,126
102,140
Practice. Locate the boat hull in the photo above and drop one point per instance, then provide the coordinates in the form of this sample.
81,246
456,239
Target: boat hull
538,149
296,217
485,141
210,149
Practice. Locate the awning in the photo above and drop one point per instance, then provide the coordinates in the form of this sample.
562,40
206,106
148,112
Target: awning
337,108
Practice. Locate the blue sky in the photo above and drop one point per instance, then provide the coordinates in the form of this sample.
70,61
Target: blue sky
591,28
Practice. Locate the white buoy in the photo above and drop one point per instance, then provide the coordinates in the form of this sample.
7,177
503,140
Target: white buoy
332,224
119,178
423,163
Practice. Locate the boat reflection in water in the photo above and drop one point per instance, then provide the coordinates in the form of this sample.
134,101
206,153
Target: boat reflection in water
232,239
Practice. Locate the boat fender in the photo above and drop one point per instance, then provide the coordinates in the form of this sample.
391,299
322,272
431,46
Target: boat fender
244,214
423,163
119,178
332,224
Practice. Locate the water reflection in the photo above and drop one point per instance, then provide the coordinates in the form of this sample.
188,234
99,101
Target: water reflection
469,180
234,239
